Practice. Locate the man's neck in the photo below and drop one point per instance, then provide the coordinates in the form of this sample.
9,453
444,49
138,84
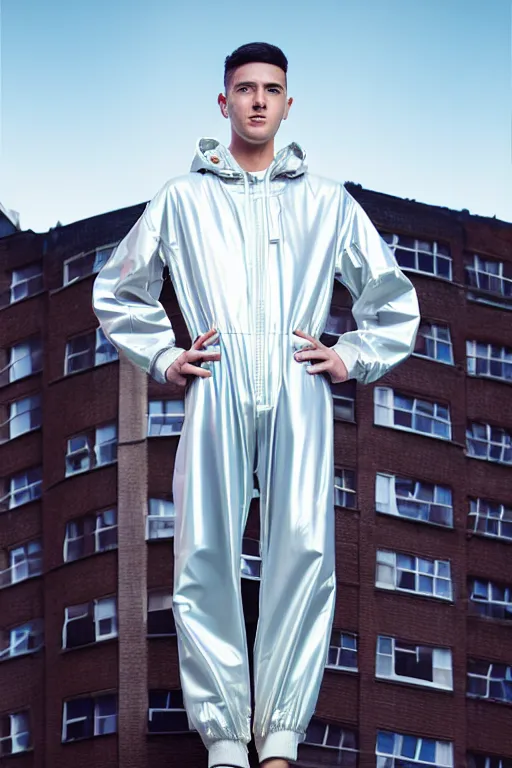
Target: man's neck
252,157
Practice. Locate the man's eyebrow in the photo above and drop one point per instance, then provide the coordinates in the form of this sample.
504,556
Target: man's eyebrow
267,85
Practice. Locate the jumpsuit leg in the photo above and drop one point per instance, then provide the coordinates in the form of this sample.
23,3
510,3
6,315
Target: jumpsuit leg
212,487
298,582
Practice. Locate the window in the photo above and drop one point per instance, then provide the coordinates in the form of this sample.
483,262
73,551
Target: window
23,360
408,573
89,716
396,750
90,622
492,280
429,258
345,488
25,282
93,449
167,713
160,519
24,416
392,409
26,638
434,341
25,562
489,680
491,599
490,518
339,321
90,534
487,761
15,733
160,613
344,400
328,744
88,350
22,488
414,499
490,443
86,263
343,651
417,664
489,360
165,417
250,560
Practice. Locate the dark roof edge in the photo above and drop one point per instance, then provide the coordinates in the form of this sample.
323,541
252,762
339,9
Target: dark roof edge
464,213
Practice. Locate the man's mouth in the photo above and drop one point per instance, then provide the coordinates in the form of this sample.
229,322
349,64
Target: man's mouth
257,118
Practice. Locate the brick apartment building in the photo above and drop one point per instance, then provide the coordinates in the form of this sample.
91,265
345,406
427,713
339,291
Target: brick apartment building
420,666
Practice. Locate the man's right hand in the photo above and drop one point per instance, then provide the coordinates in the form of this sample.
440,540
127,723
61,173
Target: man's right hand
183,365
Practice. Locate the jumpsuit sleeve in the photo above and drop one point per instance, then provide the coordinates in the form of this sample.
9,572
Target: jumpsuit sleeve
385,304
127,289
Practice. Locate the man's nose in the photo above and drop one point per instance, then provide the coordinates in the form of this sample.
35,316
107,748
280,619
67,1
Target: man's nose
259,100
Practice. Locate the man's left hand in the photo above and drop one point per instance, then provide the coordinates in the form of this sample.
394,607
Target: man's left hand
331,361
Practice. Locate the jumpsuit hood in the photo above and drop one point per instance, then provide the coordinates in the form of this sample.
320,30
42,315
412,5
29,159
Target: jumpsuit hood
212,156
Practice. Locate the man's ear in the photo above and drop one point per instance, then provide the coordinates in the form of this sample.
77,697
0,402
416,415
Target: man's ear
221,100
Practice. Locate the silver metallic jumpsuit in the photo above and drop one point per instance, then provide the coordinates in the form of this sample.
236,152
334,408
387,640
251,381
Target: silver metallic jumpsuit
255,259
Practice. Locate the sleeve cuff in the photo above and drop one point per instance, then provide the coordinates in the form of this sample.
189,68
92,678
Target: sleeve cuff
162,362
349,355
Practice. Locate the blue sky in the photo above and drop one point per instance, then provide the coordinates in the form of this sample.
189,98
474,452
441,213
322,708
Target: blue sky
102,101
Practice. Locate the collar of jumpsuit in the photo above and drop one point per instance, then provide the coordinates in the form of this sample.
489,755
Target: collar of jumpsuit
212,156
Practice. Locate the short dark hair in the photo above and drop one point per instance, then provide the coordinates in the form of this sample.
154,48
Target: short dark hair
270,54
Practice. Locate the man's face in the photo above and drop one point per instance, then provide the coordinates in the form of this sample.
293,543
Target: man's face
256,89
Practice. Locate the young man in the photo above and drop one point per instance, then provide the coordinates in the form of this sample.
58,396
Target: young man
252,242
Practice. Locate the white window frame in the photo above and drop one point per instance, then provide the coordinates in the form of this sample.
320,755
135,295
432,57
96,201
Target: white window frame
476,760
30,351
70,355
32,487
102,341
100,526
401,751
387,500
161,600
342,401
25,562
99,720
344,734
390,565
385,408
19,733
98,610
23,639
480,510
503,357
385,663
432,334
489,678
161,518
15,283
482,270
343,490
481,596
169,708
171,412
98,262
247,558
26,409
421,247
102,453
344,644
94,340
504,444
